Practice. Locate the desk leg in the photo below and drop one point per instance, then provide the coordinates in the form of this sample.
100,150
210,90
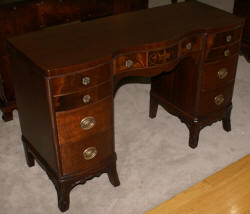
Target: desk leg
7,110
30,160
153,107
63,191
63,187
226,122
194,132
113,176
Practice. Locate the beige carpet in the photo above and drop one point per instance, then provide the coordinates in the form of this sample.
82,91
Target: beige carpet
154,160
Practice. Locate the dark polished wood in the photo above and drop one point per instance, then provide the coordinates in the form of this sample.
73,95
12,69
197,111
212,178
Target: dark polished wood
64,184
78,99
72,83
219,73
68,122
23,16
242,9
191,63
71,153
219,53
220,39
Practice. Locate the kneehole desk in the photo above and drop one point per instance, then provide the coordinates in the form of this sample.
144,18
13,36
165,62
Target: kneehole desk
65,78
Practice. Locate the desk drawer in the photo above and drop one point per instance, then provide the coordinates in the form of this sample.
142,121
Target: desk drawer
129,62
212,101
88,153
224,38
219,73
86,97
80,80
224,52
162,56
191,44
75,125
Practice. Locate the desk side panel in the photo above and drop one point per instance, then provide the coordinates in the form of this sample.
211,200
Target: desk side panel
33,108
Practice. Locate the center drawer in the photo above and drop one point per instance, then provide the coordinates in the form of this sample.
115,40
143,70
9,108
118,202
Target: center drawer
77,124
129,61
191,44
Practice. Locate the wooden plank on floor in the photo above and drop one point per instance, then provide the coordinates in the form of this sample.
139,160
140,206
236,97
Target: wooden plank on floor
225,192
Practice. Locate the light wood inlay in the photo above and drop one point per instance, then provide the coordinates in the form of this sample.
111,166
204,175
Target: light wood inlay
226,192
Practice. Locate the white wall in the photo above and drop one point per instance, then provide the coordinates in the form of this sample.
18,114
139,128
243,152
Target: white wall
222,4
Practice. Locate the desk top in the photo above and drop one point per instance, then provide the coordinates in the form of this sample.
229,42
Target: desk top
100,40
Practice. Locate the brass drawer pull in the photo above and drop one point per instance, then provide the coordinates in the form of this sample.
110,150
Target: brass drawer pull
86,99
219,99
222,73
85,80
189,46
226,52
87,123
129,63
89,153
228,38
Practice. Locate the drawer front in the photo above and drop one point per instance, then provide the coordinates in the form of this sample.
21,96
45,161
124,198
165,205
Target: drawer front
80,81
75,125
220,73
224,52
86,97
129,62
191,44
162,56
88,153
224,38
215,100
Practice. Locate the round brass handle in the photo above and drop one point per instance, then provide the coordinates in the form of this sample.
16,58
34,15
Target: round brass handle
89,153
226,52
189,46
129,63
87,123
85,80
86,98
228,38
222,73
219,99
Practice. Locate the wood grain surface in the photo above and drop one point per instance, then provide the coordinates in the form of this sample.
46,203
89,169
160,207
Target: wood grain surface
226,192
104,38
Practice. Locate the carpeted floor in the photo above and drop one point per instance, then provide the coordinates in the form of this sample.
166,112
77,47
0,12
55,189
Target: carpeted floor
154,160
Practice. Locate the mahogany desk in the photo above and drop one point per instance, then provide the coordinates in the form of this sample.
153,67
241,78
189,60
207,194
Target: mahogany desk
65,77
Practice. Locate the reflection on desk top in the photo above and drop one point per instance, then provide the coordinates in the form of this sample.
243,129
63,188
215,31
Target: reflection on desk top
99,40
